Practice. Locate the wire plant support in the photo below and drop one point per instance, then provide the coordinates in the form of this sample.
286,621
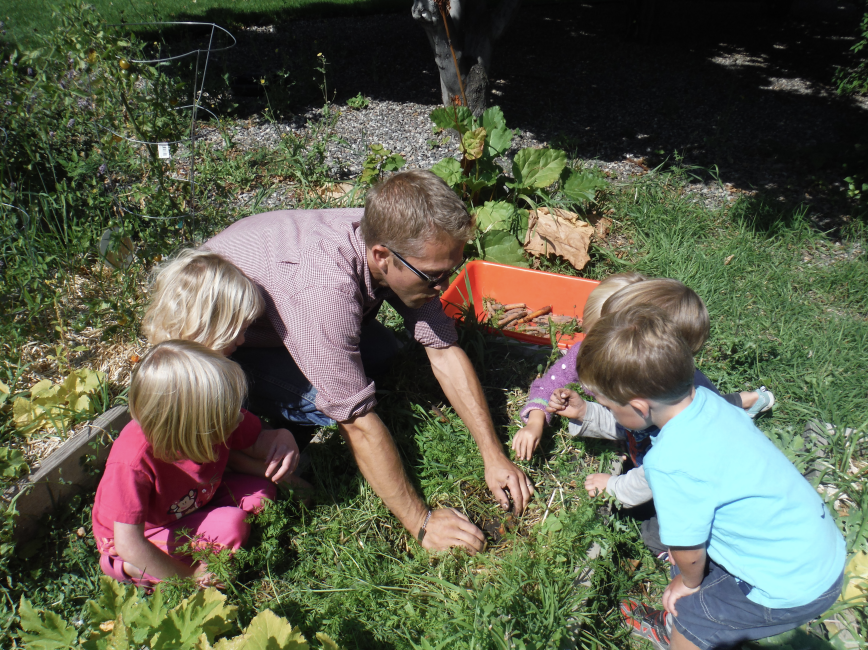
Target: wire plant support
162,148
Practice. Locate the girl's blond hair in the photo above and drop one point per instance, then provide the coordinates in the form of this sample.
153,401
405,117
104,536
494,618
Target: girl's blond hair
187,399
680,303
608,287
200,296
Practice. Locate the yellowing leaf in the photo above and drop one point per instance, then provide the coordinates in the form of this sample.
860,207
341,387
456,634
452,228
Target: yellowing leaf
41,387
266,631
82,405
327,641
473,143
856,577
55,406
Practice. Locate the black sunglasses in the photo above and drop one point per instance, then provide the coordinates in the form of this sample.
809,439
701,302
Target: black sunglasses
432,282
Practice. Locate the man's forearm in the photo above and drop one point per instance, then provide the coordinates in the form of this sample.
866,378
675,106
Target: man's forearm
459,382
375,452
691,563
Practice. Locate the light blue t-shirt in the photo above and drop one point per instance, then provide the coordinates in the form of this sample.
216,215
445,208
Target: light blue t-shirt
717,479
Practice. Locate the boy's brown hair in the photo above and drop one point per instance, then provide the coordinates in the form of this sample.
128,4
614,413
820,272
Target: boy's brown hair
679,302
635,353
408,209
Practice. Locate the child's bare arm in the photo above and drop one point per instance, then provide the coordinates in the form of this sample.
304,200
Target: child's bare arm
691,562
273,455
567,403
527,438
134,549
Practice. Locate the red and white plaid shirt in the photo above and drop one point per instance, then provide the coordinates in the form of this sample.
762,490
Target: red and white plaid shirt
312,268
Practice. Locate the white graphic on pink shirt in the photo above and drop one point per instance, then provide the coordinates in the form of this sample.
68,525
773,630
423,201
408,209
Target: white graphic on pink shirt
184,506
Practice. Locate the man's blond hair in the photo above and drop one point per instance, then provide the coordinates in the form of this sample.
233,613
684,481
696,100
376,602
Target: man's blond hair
679,302
635,353
411,208
200,296
187,399
602,292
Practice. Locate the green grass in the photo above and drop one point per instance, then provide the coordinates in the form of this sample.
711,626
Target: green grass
346,567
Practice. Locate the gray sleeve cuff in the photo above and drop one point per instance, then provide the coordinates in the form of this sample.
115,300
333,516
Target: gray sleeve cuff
598,423
631,489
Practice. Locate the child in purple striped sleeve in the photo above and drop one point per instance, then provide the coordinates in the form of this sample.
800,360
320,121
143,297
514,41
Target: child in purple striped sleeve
562,372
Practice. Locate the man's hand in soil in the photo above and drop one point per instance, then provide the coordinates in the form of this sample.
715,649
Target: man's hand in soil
459,382
447,528
501,475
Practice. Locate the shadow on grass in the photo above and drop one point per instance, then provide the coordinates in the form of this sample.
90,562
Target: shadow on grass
797,639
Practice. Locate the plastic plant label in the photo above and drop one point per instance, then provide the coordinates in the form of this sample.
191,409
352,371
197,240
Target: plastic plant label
163,150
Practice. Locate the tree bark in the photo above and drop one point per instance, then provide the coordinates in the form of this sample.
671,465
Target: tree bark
473,27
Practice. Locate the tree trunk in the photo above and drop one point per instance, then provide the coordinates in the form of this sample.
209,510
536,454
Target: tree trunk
473,27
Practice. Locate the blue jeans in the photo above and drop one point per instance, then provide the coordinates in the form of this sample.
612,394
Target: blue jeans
720,615
280,391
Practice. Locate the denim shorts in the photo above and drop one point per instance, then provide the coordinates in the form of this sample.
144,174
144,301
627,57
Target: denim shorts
720,615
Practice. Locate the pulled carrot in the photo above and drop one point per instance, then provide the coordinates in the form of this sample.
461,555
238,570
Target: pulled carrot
536,314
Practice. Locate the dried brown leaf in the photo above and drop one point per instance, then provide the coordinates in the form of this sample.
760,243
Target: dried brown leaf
559,232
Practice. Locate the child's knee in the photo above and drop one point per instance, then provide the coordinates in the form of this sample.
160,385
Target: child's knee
248,492
227,528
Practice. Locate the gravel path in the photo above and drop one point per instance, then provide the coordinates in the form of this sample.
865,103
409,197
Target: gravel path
750,103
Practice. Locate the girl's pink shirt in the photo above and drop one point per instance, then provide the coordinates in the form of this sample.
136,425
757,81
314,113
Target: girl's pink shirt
137,488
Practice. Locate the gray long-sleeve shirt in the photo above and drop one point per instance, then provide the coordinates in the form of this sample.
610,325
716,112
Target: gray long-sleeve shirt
632,488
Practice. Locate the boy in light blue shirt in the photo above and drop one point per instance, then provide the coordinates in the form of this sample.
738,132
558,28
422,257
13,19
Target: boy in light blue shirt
755,551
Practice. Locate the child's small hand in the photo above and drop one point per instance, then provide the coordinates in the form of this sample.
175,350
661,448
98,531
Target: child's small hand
204,578
596,484
526,440
283,455
567,403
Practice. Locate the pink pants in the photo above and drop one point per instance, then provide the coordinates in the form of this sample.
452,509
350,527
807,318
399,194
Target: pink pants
220,524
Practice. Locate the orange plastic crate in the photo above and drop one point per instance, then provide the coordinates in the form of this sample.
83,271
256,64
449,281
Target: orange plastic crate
506,284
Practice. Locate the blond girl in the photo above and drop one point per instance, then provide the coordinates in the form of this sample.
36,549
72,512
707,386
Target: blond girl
200,296
164,484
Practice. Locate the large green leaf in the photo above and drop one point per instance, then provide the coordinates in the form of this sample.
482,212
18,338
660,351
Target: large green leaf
498,142
206,612
499,137
503,247
459,118
583,186
45,631
114,600
537,168
493,119
266,631
449,170
494,215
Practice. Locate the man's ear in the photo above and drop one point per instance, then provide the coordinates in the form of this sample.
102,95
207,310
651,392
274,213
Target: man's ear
642,406
380,255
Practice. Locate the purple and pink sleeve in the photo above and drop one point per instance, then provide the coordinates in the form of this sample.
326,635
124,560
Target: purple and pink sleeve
558,375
